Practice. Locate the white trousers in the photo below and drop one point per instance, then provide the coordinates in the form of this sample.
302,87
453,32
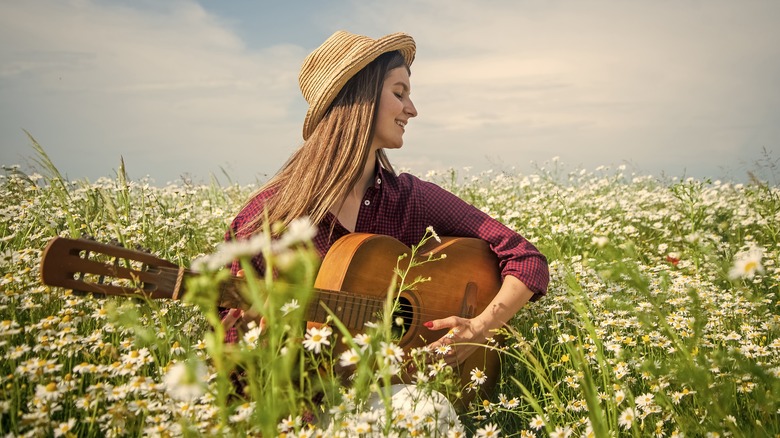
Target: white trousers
413,401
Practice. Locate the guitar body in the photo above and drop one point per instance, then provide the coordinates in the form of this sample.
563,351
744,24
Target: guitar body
462,284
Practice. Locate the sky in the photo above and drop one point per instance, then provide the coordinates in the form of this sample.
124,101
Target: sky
195,90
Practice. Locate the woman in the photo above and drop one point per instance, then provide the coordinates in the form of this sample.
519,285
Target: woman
358,90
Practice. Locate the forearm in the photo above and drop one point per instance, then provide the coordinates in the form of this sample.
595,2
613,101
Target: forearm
512,296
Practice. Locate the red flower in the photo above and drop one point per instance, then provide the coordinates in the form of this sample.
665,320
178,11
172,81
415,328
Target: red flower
673,260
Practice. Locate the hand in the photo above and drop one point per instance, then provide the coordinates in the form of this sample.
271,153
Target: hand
241,319
463,339
512,296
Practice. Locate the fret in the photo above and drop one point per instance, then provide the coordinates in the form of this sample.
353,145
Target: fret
360,320
373,310
360,317
339,306
320,313
346,316
358,303
361,313
311,309
369,309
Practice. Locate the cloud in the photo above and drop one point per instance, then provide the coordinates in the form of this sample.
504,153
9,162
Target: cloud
683,87
174,88
169,87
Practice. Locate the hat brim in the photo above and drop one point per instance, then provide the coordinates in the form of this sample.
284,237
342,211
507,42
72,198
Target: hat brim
353,60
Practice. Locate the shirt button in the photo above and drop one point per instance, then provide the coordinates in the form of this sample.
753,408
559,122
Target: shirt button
379,180
366,202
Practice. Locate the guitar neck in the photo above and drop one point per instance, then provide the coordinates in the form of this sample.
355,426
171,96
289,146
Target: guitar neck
352,309
93,267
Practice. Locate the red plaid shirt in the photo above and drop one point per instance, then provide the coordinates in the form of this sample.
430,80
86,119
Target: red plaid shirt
403,207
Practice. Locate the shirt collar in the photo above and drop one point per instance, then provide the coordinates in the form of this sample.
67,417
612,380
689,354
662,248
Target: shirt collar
379,176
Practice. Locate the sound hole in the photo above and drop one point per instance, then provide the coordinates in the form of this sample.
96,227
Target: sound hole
404,314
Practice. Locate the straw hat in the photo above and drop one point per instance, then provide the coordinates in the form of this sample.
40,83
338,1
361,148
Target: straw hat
332,64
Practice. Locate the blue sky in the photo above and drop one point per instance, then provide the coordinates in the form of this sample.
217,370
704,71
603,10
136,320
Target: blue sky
188,88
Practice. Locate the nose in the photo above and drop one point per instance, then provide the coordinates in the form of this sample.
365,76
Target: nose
409,108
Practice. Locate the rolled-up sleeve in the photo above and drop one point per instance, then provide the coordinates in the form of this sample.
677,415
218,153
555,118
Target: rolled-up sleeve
449,215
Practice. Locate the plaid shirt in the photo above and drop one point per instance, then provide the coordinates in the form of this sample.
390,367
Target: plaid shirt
403,207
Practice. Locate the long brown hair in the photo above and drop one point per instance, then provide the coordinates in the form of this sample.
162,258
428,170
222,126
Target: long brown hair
321,172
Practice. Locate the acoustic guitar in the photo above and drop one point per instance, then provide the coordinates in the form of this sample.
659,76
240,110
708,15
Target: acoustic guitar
352,282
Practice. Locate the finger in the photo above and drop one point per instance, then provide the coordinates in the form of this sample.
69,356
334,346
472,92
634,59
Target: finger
231,317
463,353
251,316
451,360
438,324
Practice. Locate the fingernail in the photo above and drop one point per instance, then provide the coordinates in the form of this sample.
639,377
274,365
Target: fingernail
237,312
428,324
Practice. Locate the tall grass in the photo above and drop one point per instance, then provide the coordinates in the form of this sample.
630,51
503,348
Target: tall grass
662,318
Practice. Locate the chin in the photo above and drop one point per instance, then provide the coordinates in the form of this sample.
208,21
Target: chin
387,144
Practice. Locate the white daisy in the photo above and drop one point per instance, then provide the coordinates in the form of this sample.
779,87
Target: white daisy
747,263
290,306
626,419
489,431
316,338
536,423
349,358
300,230
185,381
478,376
252,336
391,352
443,349
362,340
232,250
65,429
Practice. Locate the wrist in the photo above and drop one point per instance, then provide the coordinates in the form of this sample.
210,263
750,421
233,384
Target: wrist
488,323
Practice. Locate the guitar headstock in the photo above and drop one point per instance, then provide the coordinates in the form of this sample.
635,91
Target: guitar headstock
89,266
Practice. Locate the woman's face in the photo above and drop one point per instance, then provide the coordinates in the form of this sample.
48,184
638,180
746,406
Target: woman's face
395,110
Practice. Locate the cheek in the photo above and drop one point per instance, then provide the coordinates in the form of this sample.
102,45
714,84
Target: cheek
390,106
392,111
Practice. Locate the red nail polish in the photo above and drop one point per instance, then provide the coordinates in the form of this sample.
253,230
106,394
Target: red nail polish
237,312
429,324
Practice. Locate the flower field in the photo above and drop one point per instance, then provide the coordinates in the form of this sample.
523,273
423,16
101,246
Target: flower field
662,318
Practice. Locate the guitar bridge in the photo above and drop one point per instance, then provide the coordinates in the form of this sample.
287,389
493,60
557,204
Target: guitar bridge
468,307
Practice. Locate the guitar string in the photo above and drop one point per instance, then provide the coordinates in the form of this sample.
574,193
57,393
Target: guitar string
329,294
370,301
